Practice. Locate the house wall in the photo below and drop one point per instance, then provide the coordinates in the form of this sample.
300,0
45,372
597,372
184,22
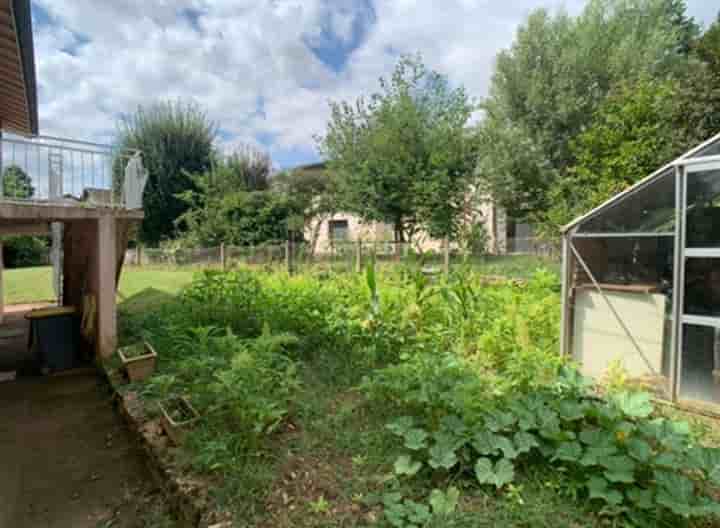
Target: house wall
487,214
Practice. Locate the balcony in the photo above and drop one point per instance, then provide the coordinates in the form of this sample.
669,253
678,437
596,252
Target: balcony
58,171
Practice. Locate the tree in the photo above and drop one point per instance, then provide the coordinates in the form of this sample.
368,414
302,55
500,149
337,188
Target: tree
404,155
231,204
630,136
312,191
17,184
176,140
707,47
21,250
549,84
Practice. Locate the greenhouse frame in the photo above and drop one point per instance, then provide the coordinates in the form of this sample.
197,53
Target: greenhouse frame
641,283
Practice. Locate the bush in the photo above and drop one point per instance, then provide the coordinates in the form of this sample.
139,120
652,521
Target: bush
612,452
24,251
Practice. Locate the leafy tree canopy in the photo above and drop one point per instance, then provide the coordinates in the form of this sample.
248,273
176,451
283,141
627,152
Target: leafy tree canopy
17,183
549,84
404,155
176,139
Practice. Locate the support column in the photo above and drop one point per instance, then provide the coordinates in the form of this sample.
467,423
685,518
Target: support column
106,261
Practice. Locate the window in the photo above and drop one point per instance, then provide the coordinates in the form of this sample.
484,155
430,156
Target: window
339,230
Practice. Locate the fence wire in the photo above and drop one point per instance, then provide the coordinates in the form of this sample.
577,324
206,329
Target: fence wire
340,257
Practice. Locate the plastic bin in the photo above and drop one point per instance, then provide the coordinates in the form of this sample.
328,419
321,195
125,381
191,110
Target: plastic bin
54,338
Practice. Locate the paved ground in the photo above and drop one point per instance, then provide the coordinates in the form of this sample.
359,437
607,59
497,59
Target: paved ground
66,459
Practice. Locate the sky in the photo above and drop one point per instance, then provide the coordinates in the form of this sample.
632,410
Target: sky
264,70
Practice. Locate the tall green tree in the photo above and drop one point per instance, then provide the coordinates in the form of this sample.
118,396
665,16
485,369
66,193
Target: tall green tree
231,203
314,196
17,183
549,84
21,250
176,139
404,155
707,47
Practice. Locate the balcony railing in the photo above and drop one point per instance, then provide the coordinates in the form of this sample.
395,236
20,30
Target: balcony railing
68,172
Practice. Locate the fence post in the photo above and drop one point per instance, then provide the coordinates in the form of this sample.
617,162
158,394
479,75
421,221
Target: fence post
138,255
446,251
288,256
358,256
222,255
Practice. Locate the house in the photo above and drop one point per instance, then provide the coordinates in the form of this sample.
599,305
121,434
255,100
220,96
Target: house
641,282
89,235
504,235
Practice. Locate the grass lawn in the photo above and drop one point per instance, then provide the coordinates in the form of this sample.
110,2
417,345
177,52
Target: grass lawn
26,285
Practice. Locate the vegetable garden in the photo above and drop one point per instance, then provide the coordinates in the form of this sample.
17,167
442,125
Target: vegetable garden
391,399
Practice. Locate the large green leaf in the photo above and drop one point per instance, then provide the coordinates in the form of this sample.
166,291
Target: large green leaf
485,443
619,469
524,442
415,439
599,489
401,425
501,474
634,404
444,503
593,455
442,457
641,498
506,446
569,451
405,465
639,449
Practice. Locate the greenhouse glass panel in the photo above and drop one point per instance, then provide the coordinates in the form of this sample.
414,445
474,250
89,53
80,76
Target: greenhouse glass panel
700,361
650,209
702,287
703,209
627,323
711,150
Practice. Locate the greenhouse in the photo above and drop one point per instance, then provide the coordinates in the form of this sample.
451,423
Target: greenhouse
641,282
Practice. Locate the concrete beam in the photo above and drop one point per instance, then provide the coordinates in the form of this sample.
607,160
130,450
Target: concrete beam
48,212
40,229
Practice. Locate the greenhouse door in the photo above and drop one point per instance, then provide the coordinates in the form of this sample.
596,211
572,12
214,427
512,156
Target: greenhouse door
699,336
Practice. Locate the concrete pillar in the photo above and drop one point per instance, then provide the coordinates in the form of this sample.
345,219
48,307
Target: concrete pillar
106,263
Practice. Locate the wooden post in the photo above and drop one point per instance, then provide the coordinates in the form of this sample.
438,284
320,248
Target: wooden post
288,256
222,255
358,256
138,255
446,251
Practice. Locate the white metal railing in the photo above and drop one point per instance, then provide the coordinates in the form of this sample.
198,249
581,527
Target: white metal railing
63,171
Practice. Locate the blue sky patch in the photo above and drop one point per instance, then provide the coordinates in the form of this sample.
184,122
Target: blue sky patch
332,49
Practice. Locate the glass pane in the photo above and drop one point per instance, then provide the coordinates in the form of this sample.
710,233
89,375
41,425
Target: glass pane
635,275
711,150
700,367
648,210
702,286
703,209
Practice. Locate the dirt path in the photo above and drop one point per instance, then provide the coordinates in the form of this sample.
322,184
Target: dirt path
66,460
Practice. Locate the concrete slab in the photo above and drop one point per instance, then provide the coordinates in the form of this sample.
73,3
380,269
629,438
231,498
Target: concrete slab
66,459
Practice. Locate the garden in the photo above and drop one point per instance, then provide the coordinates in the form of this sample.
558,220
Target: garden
391,398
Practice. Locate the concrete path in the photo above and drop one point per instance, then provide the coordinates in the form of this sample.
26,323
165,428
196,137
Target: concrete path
66,460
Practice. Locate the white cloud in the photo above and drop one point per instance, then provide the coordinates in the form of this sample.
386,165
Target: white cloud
99,58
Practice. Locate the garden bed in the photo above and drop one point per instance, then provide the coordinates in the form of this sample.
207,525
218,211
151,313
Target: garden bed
186,496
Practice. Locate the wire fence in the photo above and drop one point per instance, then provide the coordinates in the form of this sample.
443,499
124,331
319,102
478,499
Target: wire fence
341,257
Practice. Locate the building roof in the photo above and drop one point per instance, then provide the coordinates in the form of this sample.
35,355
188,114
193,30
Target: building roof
18,90
312,166
711,147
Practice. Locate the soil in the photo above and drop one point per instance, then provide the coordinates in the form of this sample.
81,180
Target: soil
68,461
